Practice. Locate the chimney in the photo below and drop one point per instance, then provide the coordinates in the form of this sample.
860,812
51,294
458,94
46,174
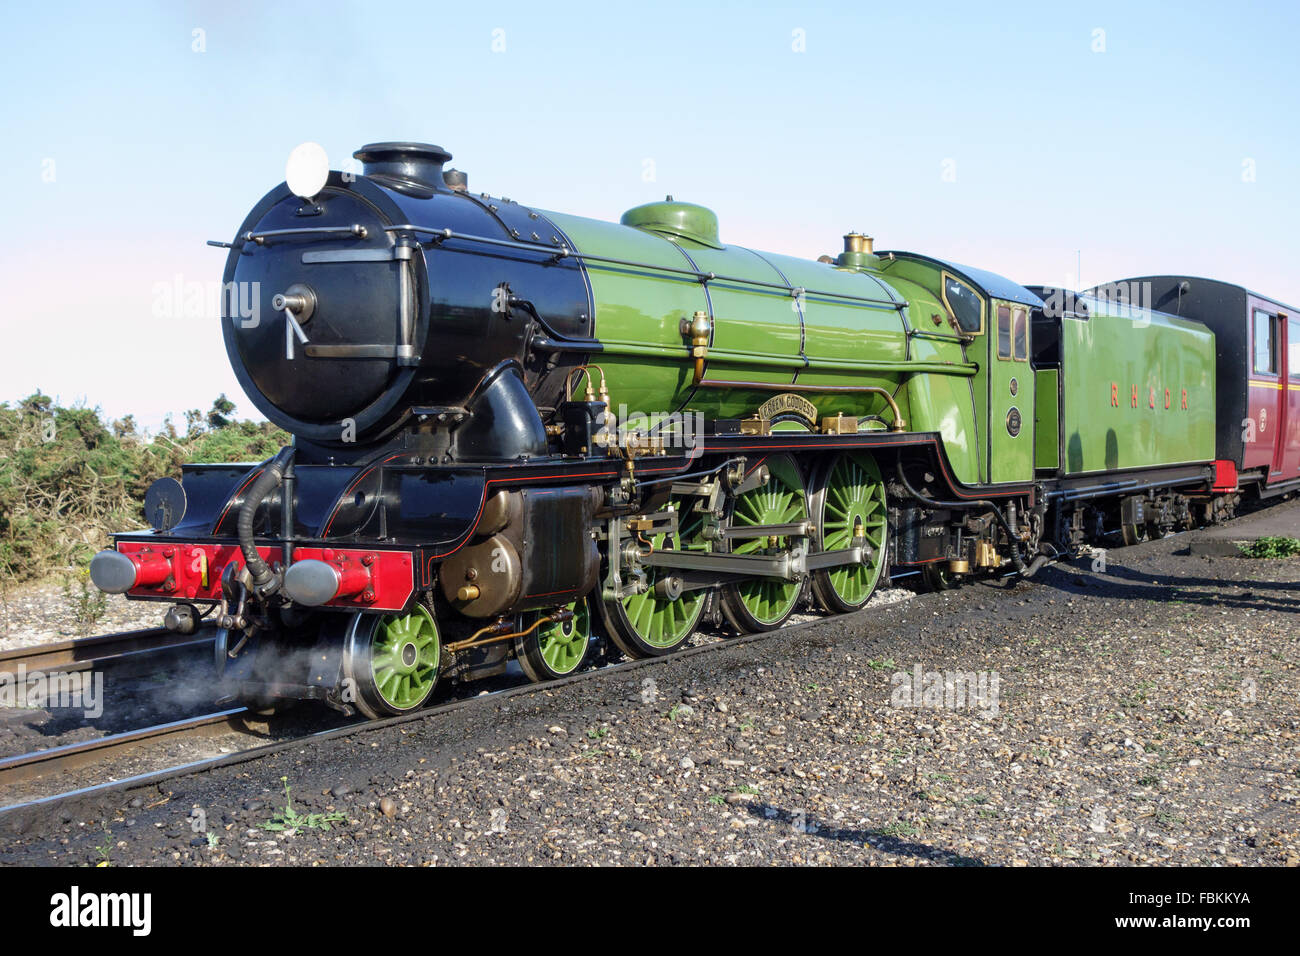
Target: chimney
414,168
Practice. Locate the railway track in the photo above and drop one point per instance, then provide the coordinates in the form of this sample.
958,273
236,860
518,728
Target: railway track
27,767
126,654
86,653
31,767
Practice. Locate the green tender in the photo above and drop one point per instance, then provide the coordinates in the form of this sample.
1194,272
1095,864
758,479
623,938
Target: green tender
1137,390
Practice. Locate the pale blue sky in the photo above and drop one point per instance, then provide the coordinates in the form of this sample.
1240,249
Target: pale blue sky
1137,155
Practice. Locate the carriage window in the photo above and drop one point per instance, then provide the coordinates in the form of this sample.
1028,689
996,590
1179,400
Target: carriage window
1265,351
1004,332
1021,334
1293,347
964,304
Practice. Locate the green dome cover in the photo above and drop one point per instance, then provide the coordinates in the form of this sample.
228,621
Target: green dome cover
683,219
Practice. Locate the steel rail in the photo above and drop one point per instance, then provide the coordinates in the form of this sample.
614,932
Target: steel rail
41,763
85,652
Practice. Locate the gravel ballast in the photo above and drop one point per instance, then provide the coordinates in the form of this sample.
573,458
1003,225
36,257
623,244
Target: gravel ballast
45,612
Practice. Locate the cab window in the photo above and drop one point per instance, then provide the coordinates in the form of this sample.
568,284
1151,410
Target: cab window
964,304
1265,348
1004,332
1020,334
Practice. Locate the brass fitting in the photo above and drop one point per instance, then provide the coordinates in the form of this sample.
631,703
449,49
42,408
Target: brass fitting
840,425
698,329
857,242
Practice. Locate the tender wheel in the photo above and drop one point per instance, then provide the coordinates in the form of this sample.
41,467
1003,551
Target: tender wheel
555,650
1133,533
848,502
763,604
937,577
647,625
392,661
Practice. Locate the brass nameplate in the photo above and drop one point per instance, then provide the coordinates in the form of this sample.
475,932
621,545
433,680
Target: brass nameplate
788,403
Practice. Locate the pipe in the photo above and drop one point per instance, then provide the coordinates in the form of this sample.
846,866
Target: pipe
695,474
795,363
968,506
557,617
568,381
265,582
1131,485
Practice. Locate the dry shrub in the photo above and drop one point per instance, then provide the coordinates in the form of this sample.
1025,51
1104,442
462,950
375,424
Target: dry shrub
68,479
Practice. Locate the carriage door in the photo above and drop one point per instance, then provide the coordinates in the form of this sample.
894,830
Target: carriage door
1267,391
1011,394
1289,399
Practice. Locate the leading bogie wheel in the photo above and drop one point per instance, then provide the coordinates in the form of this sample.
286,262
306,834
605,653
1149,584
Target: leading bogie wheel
762,604
848,508
556,648
391,661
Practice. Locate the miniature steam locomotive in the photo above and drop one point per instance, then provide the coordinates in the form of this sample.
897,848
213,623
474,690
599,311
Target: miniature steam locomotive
519,433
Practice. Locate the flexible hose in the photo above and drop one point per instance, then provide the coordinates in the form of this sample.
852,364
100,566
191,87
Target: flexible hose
267,481
1035,566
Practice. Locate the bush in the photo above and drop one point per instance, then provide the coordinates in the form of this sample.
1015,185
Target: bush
68,478
1272,547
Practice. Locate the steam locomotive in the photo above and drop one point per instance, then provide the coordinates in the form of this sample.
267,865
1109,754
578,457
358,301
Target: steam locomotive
519,434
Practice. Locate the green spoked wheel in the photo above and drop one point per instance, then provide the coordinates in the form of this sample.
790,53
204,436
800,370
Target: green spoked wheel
651,624
762,604
848,503
392,661
556,649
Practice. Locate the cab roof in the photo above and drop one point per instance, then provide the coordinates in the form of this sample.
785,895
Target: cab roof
990,283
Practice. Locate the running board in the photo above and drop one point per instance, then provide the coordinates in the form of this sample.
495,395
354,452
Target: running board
1282,489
